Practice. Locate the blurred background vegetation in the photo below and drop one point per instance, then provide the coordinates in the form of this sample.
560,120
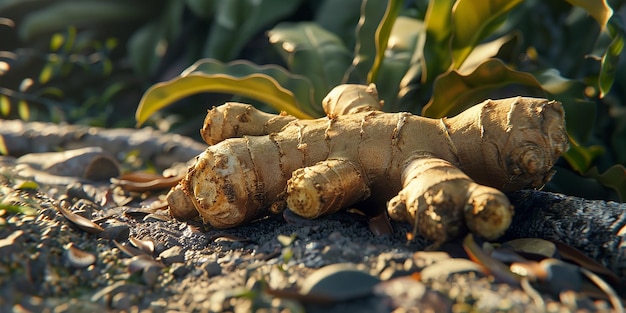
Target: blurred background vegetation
114,63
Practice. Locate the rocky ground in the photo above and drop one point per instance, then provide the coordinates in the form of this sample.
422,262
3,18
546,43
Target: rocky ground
71,244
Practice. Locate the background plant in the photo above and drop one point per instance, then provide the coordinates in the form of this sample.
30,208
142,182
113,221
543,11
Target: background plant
433,58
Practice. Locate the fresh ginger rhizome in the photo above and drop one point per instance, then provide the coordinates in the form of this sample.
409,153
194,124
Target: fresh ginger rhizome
444,175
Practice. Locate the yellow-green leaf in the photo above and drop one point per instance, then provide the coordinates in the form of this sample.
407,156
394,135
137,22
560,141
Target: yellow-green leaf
257,86
473,21
27,185
599,9
437,55
453,92
46,73
580,158
610,59
5,105
56,42
23,110
383,32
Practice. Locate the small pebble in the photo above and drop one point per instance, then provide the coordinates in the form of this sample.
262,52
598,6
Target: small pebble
121,301
179,270
173,255
212,268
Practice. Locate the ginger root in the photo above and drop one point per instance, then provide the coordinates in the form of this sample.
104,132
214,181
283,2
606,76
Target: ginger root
446,176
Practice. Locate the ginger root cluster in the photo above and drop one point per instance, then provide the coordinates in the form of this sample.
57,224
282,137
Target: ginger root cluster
445,176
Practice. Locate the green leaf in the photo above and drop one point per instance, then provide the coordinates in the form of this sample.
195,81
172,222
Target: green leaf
5,105
473,21
202,8
149,43
236,21
56,41
372,13
599,9
610,59
614,177
18,209
142,48
400,56
437,54
60,14
23,110
382,36
340,18
298,85
46,73
70,39
579,157
263,83
454,92
27,185
313,52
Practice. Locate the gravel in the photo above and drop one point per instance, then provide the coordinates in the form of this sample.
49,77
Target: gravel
46,262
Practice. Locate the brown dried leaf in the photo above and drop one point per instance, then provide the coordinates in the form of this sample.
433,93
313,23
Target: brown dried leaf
146,246
573,255
496,268
379,224
229,237
78,258
142,181
130,251
606,288
81,222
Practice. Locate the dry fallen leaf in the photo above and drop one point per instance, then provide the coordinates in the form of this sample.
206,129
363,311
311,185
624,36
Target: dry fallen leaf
143,181
81,222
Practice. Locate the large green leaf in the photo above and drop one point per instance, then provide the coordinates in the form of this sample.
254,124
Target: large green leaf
263,83
236,21
610,59
60,15
454,92
599,9
145,46
437,54
581,158
381,37
372,13
202,8
473,21
313,52
339,17
399,59
614,177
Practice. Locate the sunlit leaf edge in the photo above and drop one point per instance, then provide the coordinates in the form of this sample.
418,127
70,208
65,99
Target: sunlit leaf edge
160,95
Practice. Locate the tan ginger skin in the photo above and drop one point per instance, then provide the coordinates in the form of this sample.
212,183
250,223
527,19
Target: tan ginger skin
445,176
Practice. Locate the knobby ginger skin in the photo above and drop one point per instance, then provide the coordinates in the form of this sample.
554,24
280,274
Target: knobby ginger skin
445,176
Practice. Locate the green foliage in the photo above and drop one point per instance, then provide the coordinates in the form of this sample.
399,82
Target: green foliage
458,54
270,84
433,57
